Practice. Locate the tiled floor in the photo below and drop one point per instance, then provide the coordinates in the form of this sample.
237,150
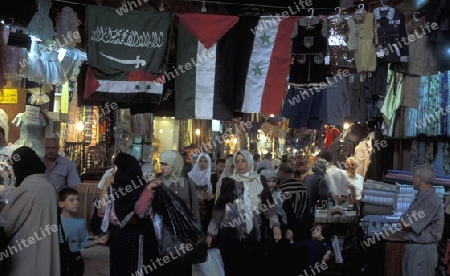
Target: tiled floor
96,260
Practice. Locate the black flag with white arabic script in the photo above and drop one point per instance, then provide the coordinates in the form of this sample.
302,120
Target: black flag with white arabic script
119,43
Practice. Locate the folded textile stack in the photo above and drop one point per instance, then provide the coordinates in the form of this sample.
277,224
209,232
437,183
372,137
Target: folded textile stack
378,198
393,176
373,225
406,194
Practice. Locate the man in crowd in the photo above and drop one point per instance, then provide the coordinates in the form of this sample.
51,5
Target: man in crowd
266,163
61,172
423,224
296,204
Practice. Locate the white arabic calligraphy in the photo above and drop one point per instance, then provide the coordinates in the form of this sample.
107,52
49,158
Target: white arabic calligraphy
127,37
136,61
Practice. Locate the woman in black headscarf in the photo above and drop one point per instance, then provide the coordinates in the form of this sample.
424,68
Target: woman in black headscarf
132,241
31,208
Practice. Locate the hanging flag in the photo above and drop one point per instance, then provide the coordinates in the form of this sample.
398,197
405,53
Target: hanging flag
199,91
127,52
269,64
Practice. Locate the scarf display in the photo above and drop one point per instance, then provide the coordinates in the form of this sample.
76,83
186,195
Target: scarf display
201,177
252,187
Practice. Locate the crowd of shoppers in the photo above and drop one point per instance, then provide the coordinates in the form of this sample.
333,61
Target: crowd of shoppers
255,217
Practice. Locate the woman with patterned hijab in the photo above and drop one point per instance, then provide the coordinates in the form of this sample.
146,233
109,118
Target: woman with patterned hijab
236,220
201,176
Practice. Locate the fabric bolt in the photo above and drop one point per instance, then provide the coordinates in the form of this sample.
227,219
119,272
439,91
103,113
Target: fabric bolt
438,160
429,113
366,33
309,46
445,101
410,122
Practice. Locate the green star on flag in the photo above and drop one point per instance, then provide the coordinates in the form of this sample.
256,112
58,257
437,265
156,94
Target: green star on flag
257,71
265,38
137,86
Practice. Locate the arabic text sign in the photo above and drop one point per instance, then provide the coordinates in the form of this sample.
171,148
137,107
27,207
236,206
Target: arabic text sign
8,96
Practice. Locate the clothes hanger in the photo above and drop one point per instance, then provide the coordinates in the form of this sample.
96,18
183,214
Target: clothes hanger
360,9
311,10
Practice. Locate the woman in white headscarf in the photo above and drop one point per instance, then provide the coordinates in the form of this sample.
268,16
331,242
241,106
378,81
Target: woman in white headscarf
171,167
201,176
236,220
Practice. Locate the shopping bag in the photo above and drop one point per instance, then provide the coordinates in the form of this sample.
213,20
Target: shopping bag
212,267
176,227
337,251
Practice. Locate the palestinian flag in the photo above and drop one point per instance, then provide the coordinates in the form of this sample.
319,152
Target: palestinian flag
200,92
268,65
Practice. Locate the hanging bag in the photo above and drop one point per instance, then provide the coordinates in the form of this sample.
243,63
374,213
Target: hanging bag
176,227
72,263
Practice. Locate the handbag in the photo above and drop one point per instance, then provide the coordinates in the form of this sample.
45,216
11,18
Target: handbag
95,224
72,263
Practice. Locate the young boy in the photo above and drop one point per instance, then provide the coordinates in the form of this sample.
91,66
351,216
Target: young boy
75,228
316,251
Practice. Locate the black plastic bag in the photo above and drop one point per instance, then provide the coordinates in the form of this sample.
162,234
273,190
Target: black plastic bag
177,231
95,224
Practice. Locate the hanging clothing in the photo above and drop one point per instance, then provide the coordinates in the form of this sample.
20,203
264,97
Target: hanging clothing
67,23
422,59
41,25
309,46
341,43
392,100
54,74
338,101
366,34
391,30
357,95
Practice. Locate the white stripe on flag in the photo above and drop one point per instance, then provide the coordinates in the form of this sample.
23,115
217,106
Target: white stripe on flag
130,87
204,82
259,64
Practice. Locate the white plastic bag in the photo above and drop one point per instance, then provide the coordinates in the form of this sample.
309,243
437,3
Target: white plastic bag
212,267
337,251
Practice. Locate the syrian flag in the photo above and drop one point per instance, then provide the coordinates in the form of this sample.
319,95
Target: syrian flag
268,65
200,91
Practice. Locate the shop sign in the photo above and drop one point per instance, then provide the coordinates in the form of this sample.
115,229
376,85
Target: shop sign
8,96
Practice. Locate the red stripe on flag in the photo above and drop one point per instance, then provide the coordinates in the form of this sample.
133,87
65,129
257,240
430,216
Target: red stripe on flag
207,28
280,62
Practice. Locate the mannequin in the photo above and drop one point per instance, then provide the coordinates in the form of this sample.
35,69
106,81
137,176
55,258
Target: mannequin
30,123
